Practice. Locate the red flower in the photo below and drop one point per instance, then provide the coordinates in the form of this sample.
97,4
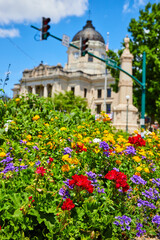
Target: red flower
111,175
119,178
30,198
137,140
68,204
82,182
50,160
33,201
41,170
0,227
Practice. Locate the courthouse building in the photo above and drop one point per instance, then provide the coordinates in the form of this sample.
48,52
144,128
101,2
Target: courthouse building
85,76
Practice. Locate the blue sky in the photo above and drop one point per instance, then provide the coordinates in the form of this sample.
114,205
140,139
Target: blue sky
20,45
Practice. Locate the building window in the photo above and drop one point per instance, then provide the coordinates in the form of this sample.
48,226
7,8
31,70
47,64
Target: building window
29,89
108,92
90,58
49,90
98,108
85,92
76,55
108,108
99,93
73,89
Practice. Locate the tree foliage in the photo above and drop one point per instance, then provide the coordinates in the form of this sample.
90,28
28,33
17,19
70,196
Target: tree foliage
68,101
145,36
145,33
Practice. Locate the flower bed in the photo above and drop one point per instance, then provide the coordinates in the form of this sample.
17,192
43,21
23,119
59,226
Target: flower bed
67,176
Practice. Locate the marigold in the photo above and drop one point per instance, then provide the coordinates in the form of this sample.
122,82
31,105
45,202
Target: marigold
65,168
136,158
36,117
146,170
139,169
63,128
2,154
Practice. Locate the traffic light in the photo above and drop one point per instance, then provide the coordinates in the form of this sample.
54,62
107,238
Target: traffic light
84,46
45,28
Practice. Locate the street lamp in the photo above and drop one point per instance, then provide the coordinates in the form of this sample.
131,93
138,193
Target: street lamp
127,98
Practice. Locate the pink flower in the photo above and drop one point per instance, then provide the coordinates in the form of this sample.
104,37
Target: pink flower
40,170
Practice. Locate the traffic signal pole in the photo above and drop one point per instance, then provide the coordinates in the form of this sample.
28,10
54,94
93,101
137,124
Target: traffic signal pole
111,63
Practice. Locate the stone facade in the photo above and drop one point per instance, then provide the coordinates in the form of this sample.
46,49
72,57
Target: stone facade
85,76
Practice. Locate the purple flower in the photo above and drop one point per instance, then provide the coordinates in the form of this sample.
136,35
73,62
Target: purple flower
67,150
37,163
156,181
138,180
23,167
6,160
140,231
124,221
35,147
130,150
67,184
91,174
145,203
156,219
64,193
100,190
104,145
116,169
151,194
22,142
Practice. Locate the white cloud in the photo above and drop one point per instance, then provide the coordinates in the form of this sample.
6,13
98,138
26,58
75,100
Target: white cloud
9,33
126,6
22,11
129,5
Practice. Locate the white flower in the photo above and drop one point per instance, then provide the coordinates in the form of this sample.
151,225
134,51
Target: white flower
96,140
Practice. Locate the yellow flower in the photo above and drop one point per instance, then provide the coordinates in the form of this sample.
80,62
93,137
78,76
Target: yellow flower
31,163
146,170
96,150
139,169
136,158
56,117
29,137
17,99
63,128
39,136
28,143
75,161
86,140
65,168
118,162
46,124
150,153
52,119
2,154
36,117
137,173
5,105
135,131
65,157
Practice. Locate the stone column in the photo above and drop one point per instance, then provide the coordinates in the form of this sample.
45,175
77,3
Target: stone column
53,91
45,94
33,89
125,89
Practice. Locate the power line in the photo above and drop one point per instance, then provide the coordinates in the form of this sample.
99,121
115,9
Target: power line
21,50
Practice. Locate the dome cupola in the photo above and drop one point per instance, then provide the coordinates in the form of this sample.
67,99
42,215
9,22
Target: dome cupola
89,32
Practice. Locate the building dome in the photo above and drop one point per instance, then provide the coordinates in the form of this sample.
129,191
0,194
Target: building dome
88,32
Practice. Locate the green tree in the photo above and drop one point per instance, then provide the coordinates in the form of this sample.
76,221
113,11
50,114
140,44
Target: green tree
145,36
68,101
145,33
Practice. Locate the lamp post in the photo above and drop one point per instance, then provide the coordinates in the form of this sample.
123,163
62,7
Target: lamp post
127,98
